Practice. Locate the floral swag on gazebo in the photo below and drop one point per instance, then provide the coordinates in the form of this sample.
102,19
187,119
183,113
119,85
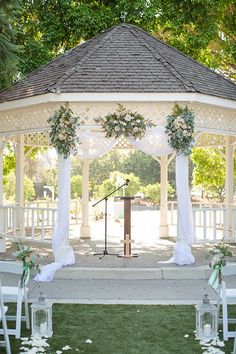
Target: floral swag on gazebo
68,137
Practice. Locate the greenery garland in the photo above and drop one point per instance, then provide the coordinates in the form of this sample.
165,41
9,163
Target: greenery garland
123,122
180,129
63,134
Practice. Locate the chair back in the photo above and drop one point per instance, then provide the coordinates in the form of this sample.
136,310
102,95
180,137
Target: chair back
11,267
229,269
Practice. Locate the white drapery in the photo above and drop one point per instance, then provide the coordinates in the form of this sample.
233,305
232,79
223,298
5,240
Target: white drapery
155,143
62,251
94,144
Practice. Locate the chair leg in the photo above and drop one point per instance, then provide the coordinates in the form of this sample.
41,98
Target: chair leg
225,319
18,318
27,313
6,337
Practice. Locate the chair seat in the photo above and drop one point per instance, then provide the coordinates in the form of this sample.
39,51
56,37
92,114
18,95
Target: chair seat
11,292
231,296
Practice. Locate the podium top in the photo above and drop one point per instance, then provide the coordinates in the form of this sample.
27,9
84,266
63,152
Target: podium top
126,198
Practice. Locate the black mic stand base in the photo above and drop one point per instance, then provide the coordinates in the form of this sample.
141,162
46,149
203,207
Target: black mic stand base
105,253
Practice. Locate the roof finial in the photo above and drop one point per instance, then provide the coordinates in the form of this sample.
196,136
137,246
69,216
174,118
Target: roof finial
123,15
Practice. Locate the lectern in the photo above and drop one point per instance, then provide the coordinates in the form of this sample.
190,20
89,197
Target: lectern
127,227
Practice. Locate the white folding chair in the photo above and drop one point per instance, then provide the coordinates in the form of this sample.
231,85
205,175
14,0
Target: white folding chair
3,310
227,296
17,295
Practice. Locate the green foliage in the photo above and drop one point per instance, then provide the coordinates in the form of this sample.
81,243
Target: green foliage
26,255
153,192
203,29
141,165
63,133
9,187
29,192
180,129
76,187
123,122
209,171
9,160
9,50
100,169
110,184
219,254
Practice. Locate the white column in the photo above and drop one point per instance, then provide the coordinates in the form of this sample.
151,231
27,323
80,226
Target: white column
229,183
2,240
85,228
20,178
163,228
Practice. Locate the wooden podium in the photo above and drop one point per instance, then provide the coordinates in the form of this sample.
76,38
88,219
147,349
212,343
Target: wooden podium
127,228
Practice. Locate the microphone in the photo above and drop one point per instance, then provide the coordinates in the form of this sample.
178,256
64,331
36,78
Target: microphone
127,182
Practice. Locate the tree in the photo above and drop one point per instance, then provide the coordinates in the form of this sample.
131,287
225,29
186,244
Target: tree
9,187
76,186
153,192
110,184
203,29
9,50
142,165
209,171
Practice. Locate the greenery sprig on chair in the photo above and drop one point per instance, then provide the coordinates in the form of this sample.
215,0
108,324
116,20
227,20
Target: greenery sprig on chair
218,261
26,254
63,134
123,122
180,129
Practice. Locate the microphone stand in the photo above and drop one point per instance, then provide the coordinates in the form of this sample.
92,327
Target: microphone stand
105,252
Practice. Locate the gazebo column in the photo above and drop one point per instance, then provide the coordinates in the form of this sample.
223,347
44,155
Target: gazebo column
229,183
85,228
164,228
2,240
20,179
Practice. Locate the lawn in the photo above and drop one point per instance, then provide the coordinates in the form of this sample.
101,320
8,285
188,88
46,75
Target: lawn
123,329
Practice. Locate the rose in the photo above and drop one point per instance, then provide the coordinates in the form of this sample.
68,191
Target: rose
128,118
135,130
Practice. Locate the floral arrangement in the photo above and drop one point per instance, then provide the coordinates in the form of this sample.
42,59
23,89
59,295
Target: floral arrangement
123,122
180,129
219,252
63,134
218,261
26,254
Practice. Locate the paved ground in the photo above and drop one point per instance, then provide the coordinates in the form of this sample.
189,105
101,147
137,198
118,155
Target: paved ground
112,279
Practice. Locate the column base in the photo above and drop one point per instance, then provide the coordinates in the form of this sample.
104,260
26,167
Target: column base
163,231
85,232
2,245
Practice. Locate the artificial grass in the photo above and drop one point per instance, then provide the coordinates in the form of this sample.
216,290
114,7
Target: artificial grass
122,329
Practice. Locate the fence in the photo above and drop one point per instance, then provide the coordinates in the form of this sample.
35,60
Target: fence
36,221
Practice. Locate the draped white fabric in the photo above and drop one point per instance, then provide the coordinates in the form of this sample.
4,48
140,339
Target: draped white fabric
94,144
154,142
62,251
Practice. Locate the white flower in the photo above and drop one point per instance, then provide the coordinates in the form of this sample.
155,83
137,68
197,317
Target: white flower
128,118
135,129
138,121
89,341
117,128
61,136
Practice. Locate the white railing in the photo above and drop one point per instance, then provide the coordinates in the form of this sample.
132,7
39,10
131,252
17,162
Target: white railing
31,223
35,221
211,223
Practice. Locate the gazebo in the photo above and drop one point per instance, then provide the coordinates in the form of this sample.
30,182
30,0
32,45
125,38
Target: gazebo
125,65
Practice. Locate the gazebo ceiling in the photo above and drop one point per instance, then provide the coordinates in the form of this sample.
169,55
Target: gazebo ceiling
123,59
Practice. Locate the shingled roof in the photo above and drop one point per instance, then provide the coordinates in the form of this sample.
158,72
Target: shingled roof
123,58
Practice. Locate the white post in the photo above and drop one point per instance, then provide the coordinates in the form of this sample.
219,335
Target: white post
20,178
85,228
229,183
164,228
2,240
